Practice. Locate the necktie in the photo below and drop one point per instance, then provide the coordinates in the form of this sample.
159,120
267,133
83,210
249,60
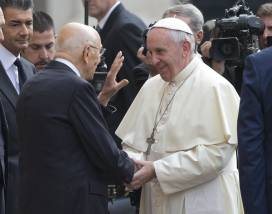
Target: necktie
21,74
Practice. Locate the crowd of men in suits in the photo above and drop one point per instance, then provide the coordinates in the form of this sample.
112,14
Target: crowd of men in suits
49,134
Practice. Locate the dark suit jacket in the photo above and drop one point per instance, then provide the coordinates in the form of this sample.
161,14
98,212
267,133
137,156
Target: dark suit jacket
67,155
123,32
3,158
8,96
255,134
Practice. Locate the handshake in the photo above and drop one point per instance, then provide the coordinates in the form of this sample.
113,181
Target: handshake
144,171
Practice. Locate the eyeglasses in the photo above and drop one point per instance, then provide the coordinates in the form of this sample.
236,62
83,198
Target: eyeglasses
101,50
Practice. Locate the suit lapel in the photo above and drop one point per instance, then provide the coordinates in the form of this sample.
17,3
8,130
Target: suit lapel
28,69
6,87
111,21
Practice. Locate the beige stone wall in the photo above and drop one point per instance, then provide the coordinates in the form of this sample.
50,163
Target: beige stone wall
64,11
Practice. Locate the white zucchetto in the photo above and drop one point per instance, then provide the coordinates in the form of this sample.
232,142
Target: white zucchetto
173,24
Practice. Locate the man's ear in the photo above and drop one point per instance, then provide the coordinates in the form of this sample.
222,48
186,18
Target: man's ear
85,54
186,48
199,37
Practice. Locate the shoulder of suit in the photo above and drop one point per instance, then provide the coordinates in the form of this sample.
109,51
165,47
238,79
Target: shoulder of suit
25,61
262,57
30,67
126,17
267,52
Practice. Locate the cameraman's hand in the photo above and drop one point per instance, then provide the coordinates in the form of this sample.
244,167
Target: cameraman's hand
144,58
218,66
205,49
111,86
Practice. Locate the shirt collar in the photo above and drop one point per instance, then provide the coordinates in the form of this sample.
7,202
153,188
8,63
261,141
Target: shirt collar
7,58
69,64
186,72
103,21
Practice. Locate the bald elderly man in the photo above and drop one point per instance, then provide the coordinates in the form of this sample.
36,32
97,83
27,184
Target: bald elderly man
68,157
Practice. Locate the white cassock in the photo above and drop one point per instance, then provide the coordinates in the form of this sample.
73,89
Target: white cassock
194,152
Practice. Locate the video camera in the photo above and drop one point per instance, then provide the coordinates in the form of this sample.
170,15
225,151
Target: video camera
236,35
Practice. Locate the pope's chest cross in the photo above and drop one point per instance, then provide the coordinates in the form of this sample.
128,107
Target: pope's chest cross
150,140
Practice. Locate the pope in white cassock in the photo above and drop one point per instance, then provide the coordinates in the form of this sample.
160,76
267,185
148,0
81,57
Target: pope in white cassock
181,130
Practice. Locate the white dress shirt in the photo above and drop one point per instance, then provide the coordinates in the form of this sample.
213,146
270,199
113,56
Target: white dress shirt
103,21
7,59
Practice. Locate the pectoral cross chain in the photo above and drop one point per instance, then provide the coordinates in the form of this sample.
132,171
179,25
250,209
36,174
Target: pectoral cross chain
150,140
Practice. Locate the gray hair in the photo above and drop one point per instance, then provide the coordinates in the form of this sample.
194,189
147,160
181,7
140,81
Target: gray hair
180,36
265,10
190,11
76,39
74,44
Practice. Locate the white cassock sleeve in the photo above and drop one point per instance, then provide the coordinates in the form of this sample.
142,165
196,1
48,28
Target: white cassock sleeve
132,153
186,169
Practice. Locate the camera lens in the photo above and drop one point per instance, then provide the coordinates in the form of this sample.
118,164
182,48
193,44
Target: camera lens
227,49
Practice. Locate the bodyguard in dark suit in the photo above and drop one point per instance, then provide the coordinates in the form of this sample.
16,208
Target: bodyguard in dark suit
3,137
67,154
255,134
120,30
3,161
14,72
